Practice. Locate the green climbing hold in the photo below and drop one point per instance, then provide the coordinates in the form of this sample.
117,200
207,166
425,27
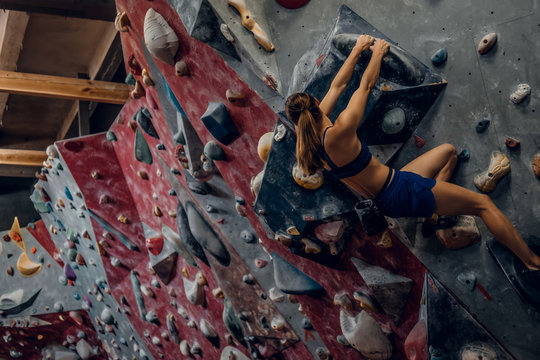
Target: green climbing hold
142,151
59,166
130,79
110,135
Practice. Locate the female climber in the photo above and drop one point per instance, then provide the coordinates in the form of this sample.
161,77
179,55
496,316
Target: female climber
419,189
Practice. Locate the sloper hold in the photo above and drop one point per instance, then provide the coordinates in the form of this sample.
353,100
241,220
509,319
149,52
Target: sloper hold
26,266
165,268
108,227
17,301
219,123
390,290
174,239
499,167
144,119
142,151
453,331
205,235
186,236
202,23
364,334
291,280
159,37
525,282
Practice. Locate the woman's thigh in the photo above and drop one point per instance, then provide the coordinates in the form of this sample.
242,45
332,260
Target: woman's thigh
429,164
451,199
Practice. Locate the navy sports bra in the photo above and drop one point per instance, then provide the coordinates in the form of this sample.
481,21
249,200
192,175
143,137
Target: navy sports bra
352,168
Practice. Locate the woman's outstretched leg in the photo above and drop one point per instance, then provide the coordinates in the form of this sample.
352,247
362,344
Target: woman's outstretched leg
452,199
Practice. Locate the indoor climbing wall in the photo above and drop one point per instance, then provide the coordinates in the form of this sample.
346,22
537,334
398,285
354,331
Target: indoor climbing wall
188,228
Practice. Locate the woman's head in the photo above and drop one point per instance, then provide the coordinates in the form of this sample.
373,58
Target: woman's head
303,110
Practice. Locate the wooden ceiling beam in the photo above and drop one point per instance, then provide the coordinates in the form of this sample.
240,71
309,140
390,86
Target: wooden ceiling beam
63,87
18,171
16,157
87,9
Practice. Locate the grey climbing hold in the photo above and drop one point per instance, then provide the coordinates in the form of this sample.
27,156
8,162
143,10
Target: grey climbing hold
364,334
522,91
482,125
290,280
218,122
190,243
142,151
159,37
180,138
247,236
393,121
199,187
138,294
467,279
152,317
107,316
205,235
233,325
390,290
214,152
58,307
110,135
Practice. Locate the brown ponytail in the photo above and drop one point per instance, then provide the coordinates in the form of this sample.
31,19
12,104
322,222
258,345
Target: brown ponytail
302,109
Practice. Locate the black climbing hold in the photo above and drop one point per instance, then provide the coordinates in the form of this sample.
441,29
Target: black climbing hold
482,126
219,123
291,280
186,236
199,187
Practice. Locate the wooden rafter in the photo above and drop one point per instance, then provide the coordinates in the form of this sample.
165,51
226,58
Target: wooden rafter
22,157
63,87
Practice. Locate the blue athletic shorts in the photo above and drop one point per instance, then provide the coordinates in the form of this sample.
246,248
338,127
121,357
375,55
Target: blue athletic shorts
407,195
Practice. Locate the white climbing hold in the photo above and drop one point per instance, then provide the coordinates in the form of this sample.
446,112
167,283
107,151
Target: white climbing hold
364,334
522,91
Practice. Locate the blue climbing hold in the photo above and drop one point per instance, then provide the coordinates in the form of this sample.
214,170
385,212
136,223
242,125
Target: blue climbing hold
68,193
439,57
482,126
219,123
464,155
172,98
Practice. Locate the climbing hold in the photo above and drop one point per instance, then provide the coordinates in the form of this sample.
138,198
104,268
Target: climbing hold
159,37
487,43
482,125
205,235
322,352
72,254
478,350
330,232
260,263
146,79
283,238
10,270
184,348
499,166
218,293
277,323
196,348
226,32
147,291
181,68
199,187
249,23
194,290
310,182
107,316
281,131
390,290
214,152
144,119
291,280
218,122
128,243
248,279
208,330
418,141
439,57
385,241
172,328
121,22
234,98
536,165
522,91
460,232
364,334
186,236
276,295
416,343
17,301
365,301
393,121
343,300
26,266
152,317
80,260
138,91
130,79
157,211
255,183
468,279
511,143
292,4
263,147
154,245
142,151
464,155
310,247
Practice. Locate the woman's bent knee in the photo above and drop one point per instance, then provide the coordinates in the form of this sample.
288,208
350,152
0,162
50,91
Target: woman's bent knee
450,149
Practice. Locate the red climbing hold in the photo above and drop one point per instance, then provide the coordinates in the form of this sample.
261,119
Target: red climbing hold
154,245
74,146
511,143
292,4
418,141
416,342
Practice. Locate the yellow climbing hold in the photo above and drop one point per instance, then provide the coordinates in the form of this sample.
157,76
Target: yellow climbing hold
26,266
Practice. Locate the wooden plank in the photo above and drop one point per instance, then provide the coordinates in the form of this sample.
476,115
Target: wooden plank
12,29
22,157
18,171
68,120
63,87
87,9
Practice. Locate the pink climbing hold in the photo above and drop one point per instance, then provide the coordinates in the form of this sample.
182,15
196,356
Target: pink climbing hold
74,146
416,347
330,232
292,4
154,245
260,263
418,141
